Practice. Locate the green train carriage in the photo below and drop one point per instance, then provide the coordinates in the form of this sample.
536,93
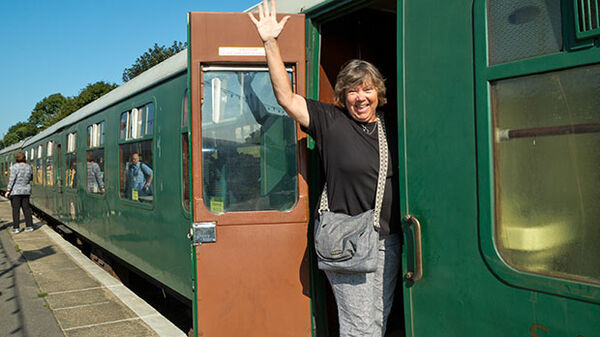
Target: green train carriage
496,105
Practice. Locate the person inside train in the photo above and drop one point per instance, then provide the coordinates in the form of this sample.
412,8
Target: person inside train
19,190
139,178
95,183
347,139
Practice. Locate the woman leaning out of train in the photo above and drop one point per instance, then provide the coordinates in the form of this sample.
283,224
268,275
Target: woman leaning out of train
347,138
18,191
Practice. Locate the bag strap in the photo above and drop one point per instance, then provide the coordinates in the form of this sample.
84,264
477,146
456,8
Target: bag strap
381,175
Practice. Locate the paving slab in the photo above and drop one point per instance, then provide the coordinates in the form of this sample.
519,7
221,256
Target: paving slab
78,297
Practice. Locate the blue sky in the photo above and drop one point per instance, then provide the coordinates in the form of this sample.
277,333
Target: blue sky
61,46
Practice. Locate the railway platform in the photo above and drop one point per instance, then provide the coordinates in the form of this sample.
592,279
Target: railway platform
49,288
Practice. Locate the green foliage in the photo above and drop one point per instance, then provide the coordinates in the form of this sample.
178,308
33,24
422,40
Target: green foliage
18,132
46,110
152,57
87,95
53,108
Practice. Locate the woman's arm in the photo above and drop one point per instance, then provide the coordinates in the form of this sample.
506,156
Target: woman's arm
269,29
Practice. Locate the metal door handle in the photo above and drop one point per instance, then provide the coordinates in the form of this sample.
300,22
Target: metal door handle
417,273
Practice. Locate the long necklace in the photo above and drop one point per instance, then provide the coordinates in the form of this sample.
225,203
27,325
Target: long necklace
369,132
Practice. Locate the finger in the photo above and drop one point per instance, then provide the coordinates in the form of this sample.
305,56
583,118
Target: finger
253,18
273,8
266,8
283,21
261,13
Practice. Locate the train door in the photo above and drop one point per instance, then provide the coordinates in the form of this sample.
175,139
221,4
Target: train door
250,207
500,150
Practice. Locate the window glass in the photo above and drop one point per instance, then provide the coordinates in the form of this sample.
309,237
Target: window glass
124,125
523,28
547,182
102,130
185,171
248,144
136,171
149,118
185,154
49,164
71,170
90,132
95,171
49,171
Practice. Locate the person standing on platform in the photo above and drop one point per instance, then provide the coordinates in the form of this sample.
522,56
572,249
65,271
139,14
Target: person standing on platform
18,191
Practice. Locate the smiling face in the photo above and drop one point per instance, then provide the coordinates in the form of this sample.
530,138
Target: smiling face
361,102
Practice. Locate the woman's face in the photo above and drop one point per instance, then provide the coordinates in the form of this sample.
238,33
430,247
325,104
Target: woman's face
361,102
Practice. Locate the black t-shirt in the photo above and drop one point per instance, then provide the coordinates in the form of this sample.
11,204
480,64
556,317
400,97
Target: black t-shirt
350,158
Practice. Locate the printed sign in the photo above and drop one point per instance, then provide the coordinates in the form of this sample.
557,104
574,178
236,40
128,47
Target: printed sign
241,51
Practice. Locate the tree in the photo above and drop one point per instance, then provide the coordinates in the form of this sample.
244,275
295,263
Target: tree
152,57
87,95
46,110
18,132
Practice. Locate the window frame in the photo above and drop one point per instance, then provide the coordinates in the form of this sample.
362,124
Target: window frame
71,151
573,54
129,140
96,141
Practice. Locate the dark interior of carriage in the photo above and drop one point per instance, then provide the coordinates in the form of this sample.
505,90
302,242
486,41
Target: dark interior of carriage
367,33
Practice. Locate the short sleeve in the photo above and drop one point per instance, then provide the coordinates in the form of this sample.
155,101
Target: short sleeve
321,115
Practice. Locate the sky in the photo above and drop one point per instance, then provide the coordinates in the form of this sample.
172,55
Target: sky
61,46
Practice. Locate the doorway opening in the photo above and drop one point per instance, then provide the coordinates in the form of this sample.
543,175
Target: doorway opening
367,33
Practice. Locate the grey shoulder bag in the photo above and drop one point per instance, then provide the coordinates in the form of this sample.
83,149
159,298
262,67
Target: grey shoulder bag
349,244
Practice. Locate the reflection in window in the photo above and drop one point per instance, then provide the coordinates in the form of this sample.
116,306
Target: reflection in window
71,170
547,182
523,28
137,122
39,166
95,171
248,144
136,177
49,164
185,153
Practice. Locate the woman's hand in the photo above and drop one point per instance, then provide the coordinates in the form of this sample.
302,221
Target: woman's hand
267,25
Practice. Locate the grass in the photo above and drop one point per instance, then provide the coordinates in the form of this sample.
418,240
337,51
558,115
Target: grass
42,295
17,248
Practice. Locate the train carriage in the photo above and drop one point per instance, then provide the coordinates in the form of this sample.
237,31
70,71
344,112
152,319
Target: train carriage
497,121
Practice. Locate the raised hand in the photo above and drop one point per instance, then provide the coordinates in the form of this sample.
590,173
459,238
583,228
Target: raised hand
267,25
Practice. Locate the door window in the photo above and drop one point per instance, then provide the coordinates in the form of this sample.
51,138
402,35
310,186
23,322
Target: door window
248,143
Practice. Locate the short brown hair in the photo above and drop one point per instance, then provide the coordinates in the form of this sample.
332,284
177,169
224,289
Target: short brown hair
20,157
356,72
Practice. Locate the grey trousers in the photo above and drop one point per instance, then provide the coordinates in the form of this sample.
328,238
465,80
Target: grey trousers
364,300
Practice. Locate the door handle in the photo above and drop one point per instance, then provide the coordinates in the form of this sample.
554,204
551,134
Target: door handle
415,273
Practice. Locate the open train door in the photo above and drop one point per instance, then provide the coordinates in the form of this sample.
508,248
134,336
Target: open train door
250,207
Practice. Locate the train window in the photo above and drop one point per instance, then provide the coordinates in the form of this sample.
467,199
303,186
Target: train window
547,180
95,158
95,171
137,122
248,143
185,153
136,172
49,164
71,161
39,166
523,28
95,135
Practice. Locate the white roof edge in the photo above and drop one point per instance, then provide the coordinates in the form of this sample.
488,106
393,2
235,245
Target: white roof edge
167,68
15,146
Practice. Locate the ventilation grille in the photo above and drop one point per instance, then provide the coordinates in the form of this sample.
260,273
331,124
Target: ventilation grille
587,18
